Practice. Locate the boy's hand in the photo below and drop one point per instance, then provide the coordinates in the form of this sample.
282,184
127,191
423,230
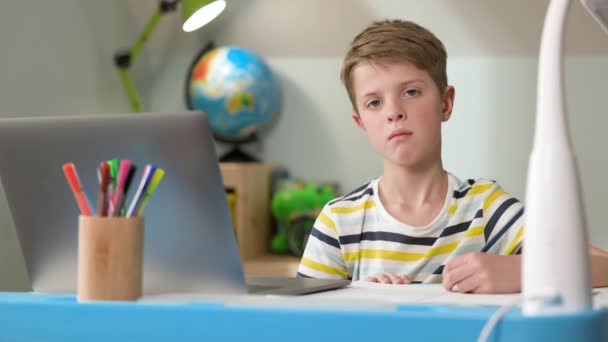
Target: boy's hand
388,278
483,273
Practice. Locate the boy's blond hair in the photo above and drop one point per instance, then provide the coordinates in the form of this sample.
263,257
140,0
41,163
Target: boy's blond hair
396,40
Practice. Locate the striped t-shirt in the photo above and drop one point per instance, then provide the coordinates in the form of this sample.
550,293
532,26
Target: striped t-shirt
354,236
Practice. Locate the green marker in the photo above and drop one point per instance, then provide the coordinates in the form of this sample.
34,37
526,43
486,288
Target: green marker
114,171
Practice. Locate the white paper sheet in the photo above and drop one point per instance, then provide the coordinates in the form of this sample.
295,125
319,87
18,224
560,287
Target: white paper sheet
415,293
433,294
360,296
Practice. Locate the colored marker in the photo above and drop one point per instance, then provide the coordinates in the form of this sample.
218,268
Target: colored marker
69,170
121,206
146,178
123,173
113,171
110,191
156,178
104,181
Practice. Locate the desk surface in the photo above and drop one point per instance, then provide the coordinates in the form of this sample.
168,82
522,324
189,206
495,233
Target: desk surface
430,294
37,317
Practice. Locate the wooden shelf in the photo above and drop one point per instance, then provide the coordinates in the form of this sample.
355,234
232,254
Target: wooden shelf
272,265
251,186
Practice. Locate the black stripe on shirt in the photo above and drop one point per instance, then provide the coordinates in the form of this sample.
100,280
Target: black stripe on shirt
350,193
478,214
368,191
519,249
387,236
302,275
497,215
439,270
461,227
325,238
406,239
350,239
461,194
455,229
503,230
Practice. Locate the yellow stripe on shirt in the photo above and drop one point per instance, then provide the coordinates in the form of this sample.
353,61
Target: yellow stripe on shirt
478,189
349,210
452,209
328,222
488,202
400,256
323,268
445,249
515,241
474,231
390,255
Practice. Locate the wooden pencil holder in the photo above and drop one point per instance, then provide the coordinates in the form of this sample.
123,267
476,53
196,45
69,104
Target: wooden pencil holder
110,258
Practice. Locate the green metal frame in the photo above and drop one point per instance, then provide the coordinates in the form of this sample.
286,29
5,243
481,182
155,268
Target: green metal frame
124,60
133,53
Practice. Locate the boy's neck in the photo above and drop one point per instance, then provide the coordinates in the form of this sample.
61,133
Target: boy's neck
414,188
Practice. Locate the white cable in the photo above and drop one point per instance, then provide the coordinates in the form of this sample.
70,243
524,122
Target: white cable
552,299
494,319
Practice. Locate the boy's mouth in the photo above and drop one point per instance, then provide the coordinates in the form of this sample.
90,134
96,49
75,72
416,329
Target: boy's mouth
399,133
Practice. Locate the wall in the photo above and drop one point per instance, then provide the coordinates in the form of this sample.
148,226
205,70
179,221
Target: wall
56,58
493,47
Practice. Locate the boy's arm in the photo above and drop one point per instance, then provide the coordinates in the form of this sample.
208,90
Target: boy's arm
483,273
495,268
491,273
323,256
599,267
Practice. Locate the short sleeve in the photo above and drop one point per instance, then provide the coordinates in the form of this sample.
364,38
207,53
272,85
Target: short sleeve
323,256
503,222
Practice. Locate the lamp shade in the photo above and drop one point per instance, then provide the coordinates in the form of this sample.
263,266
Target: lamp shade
197,13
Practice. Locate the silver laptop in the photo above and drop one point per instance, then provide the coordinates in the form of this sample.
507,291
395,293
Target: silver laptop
189,243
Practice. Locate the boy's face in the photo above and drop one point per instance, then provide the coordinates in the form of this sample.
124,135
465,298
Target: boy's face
401,111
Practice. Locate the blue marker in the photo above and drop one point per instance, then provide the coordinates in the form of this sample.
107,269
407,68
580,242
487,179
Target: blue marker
146,178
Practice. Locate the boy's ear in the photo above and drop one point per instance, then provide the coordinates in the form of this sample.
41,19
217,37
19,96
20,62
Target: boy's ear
358,121
447,102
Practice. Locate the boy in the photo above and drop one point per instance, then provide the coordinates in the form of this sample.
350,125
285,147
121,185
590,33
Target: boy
416,223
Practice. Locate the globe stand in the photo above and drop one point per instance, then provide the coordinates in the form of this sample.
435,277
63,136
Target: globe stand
237,155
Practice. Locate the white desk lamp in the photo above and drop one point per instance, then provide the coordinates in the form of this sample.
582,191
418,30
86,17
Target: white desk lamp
556,277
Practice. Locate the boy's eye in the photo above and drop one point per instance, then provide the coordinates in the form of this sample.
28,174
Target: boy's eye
412,92
373,103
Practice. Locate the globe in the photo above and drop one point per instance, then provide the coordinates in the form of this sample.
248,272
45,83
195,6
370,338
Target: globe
236,89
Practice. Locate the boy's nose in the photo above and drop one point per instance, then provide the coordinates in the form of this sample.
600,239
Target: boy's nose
396,116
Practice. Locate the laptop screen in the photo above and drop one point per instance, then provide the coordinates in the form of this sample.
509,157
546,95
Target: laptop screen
189,242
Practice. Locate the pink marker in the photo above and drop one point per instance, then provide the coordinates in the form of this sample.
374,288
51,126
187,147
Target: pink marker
123,173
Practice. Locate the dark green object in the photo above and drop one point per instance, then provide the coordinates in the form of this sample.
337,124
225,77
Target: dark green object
295,206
